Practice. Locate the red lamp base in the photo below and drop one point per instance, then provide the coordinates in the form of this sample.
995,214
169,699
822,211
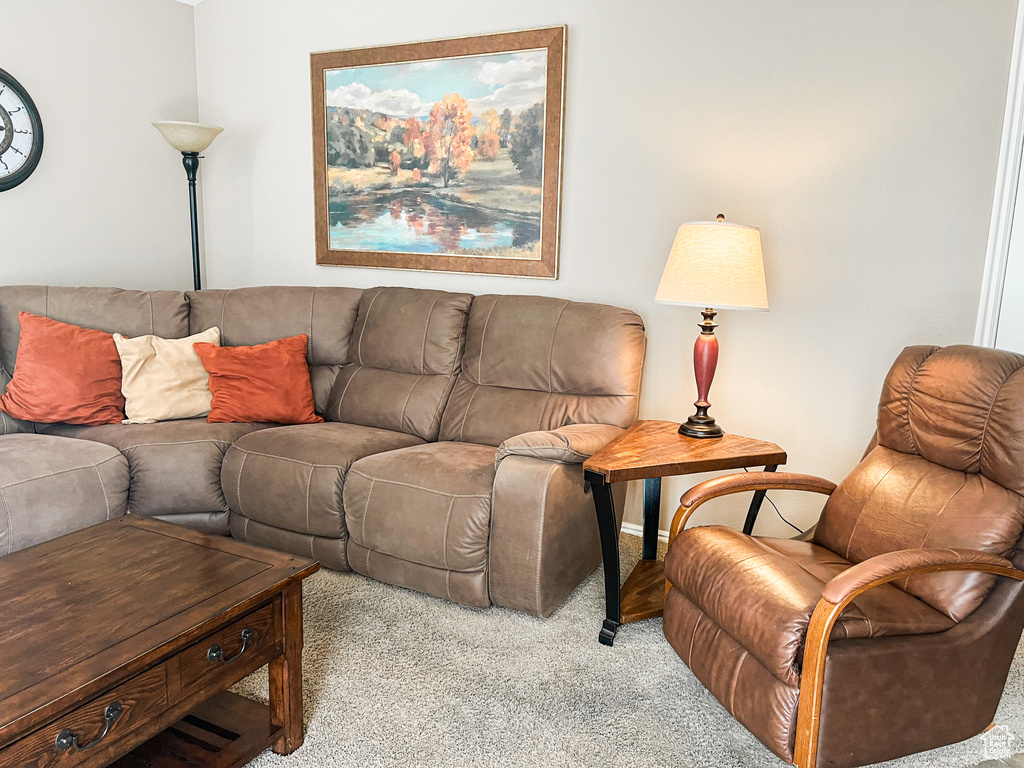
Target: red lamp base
700,425
705,360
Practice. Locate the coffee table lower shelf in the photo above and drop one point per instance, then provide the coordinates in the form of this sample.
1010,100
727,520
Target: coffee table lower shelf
227,731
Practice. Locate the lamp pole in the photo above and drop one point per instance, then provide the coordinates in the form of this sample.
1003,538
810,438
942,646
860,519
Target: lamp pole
190,139
191,162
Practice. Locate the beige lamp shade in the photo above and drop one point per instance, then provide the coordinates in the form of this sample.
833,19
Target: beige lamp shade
187,137
715,264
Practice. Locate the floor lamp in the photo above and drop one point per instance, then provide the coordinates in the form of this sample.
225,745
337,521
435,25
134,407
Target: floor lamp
190,139
712,264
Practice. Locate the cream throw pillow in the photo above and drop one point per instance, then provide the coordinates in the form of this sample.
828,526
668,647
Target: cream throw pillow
162,379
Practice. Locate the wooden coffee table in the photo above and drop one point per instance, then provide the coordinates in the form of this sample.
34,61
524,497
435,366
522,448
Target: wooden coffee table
119,642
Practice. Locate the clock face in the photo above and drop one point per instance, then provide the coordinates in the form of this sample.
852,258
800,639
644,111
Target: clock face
21,133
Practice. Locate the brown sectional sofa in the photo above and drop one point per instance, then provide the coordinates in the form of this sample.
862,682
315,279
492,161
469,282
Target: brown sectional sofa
450,457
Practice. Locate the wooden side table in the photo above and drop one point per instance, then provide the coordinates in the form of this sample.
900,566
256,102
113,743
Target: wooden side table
649,451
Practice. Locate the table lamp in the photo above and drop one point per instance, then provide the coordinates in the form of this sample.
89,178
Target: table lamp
190,139
712,264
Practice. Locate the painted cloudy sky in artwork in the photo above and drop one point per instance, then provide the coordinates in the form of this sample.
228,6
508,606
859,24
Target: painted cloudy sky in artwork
493,81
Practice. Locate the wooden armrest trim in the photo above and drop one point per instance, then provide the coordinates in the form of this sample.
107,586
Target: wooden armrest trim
738,483
826,613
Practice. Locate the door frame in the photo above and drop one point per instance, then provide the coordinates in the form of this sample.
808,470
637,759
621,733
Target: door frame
1007,180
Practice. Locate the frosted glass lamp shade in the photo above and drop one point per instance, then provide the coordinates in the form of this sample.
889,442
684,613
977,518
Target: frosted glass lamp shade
715,264
187,137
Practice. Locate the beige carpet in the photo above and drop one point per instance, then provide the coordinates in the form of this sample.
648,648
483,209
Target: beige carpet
395,678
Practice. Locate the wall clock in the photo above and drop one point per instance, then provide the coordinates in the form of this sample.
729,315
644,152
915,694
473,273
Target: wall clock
21,133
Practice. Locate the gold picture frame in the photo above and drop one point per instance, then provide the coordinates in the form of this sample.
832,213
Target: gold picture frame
443,155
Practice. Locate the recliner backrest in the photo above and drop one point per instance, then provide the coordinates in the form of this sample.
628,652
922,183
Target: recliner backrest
250,316
948,469
405,353
537,363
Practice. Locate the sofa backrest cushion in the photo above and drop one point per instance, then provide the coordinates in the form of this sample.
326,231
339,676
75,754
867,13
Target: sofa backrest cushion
536,363
251,316
405,353
948,469
113,310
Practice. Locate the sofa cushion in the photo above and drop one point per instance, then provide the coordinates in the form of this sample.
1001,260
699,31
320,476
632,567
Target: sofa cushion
405,353
50,486
421,518
331,552
291,478
175,466
249,316
266,382
534,363
64,373
162,379
762,592
133,313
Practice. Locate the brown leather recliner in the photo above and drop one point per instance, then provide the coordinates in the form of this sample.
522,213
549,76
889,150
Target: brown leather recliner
885,631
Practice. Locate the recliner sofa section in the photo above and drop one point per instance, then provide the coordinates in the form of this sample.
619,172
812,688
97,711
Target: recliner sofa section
450,459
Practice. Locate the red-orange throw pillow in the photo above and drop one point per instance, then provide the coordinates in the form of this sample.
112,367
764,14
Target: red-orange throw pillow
267,382
64,373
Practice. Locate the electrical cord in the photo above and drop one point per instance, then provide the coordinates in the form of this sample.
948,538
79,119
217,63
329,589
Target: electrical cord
777,512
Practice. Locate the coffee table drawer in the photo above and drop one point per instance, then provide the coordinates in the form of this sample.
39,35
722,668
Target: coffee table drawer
84,735
234,651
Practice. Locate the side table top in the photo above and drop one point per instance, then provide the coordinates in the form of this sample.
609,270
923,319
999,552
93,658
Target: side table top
656,449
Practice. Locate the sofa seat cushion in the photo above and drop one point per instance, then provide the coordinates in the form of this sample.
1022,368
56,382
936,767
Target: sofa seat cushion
291,478
421,518
50,486
762,592
175,466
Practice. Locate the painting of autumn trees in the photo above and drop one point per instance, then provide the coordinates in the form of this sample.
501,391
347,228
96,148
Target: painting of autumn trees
441,156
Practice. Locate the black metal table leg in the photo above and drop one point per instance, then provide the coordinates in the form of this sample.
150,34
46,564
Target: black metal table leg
605,507
755,504
652,517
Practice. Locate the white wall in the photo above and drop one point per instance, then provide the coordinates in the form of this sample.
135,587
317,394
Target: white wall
861,137
108,203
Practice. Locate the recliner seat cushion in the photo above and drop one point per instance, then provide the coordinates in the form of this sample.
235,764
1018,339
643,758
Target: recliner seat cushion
762,591
291,478
421,518
175,466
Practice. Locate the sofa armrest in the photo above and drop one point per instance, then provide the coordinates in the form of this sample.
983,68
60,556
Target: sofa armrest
911,562
740,482
544,538
571,444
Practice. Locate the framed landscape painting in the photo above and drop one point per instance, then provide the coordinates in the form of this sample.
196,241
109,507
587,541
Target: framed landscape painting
441,155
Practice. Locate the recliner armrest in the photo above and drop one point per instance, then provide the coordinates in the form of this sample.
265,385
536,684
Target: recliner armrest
571,444
911,562
740,482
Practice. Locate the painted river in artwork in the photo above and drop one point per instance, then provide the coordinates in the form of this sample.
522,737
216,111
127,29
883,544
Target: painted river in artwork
419,221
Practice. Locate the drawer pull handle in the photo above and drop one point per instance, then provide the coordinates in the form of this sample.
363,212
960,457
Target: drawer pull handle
67,739
216,653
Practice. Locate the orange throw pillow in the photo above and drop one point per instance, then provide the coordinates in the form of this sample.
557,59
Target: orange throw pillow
64,373
267,382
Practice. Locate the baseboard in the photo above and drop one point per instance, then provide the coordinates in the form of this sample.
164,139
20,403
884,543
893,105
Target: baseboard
637,530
